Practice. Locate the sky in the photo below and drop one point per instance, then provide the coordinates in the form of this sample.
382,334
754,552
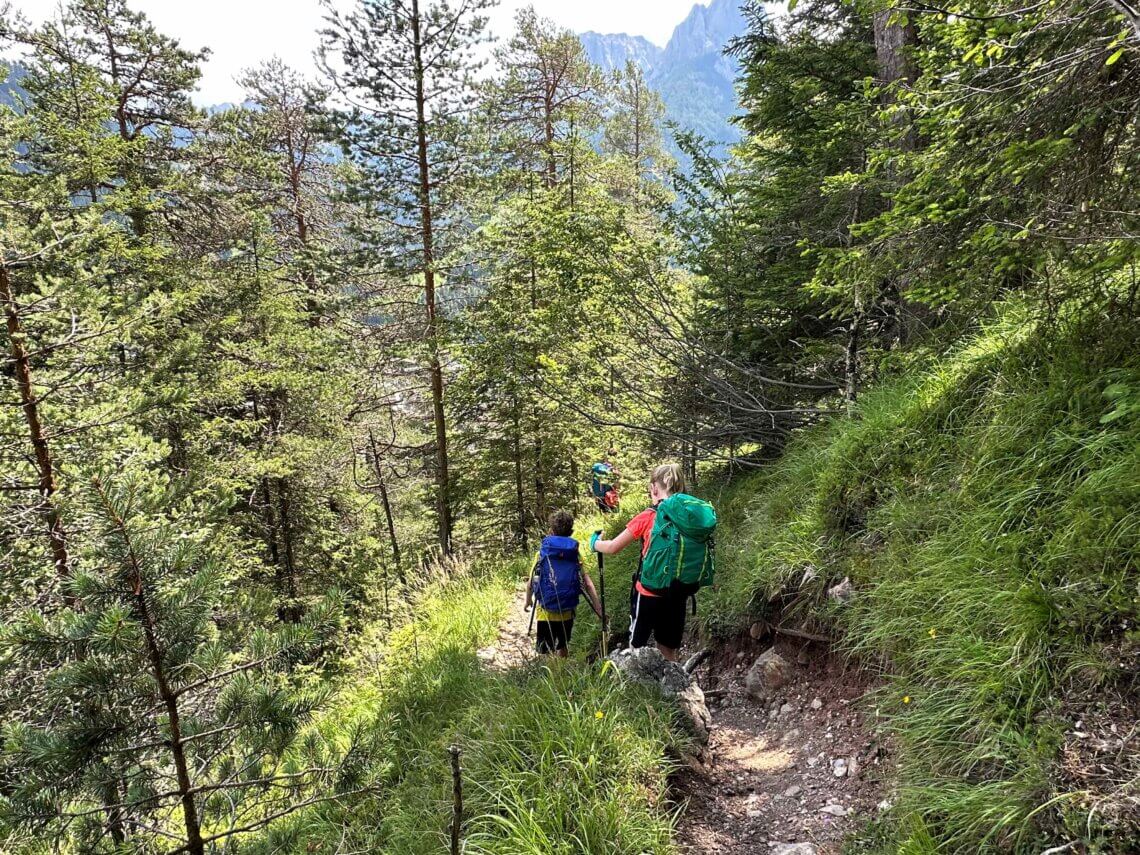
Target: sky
242,33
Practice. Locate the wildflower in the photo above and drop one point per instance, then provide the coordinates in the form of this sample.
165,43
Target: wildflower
933,632
599,714
906,699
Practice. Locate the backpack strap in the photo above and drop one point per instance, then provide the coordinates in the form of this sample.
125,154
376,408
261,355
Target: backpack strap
641,552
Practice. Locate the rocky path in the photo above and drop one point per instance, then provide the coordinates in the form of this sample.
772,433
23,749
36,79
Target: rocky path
514,646
792,765
791,773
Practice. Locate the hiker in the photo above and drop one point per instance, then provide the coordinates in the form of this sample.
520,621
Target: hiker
677,551
556,583
602,484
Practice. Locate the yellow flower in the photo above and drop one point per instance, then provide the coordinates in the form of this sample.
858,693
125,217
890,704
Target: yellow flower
933,632
599,714
906,699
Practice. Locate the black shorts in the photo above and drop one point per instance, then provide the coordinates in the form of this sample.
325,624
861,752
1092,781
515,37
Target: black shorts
554,635
662,617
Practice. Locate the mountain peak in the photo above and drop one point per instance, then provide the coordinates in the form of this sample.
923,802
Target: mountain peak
705,30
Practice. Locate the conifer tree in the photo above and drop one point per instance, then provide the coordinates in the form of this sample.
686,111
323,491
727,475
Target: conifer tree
157,716
404,70
633,126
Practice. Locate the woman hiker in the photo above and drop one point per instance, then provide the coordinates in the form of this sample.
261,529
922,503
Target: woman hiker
659,612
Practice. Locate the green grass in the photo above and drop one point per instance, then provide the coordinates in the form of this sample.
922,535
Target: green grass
559,757
988,511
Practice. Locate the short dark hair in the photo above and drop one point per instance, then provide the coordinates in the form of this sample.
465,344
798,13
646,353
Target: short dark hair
561,523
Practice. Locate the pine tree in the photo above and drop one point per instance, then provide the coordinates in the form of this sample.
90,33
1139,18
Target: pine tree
157,716
633,126
408,69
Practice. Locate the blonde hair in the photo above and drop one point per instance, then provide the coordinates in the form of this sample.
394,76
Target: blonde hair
669,477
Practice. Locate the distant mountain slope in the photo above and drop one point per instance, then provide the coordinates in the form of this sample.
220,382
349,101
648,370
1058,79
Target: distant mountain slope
11,93
691,72
611,50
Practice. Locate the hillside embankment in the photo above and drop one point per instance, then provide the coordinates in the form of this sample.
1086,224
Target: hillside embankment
977,526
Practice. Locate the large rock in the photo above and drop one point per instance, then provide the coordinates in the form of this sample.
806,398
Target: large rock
692,701
769,673
646,665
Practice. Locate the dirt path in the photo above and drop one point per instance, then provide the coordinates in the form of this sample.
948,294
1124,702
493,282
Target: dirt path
514,647
793,776
790,777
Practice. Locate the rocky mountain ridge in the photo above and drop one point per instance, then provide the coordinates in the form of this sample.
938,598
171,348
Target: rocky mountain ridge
692,73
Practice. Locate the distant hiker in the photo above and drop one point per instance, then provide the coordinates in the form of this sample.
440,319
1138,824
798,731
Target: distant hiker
556,583
602,484
677,557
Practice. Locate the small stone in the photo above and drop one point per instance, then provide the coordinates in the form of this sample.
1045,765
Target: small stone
754,813
843,592
790,737
792,791
834,810
791,849
839,767
816,704
852,767
768,673
884,805
786,709
758,630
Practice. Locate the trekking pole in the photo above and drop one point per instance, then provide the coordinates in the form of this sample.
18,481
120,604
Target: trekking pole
533,608
602,592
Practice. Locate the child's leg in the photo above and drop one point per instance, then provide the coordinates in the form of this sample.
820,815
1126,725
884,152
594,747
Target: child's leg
562,631
544,638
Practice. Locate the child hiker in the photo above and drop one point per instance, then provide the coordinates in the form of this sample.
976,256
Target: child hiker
556,584
676,534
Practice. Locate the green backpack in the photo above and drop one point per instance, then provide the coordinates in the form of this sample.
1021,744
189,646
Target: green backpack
681,547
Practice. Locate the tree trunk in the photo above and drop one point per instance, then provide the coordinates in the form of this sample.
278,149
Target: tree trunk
548,130
167,695
851,387
389,518
443,498
520,496
895,43
290,610
29,403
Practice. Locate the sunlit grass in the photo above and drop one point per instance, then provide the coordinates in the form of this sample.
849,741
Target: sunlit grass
988,511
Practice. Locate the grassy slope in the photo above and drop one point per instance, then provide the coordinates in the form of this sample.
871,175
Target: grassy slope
557,759
988,512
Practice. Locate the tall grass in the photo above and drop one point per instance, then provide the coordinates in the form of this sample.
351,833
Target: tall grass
988,511
559,757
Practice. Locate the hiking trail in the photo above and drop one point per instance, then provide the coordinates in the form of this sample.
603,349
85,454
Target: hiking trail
514,646
792,775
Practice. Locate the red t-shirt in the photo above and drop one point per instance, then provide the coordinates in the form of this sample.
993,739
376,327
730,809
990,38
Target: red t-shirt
641,526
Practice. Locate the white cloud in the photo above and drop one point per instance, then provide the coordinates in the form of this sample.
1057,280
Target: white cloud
242,33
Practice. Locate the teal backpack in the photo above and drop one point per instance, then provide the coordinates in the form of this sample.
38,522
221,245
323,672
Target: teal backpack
681,546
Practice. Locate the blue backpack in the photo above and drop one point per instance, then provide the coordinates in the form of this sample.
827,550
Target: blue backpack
557,585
